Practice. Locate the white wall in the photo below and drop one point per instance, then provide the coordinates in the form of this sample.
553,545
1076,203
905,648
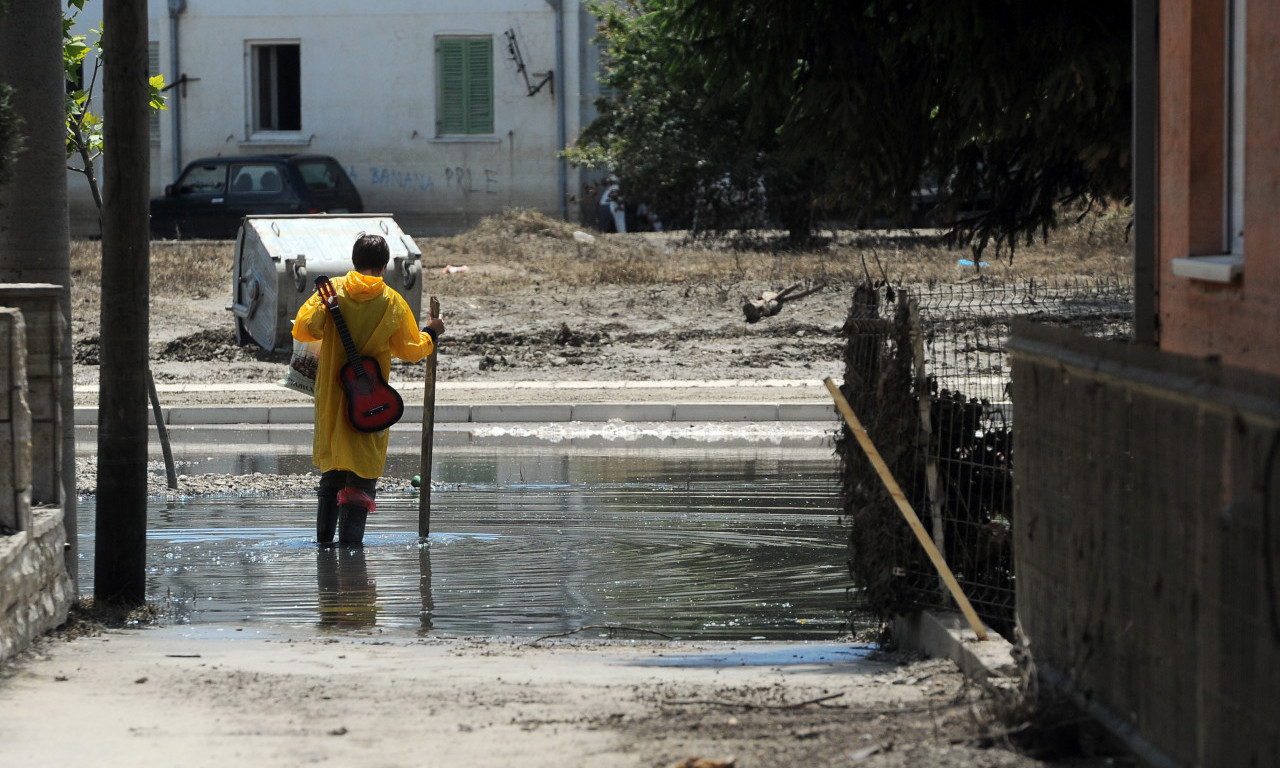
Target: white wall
369,99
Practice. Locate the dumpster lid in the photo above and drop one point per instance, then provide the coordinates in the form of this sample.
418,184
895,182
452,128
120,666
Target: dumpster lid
326,236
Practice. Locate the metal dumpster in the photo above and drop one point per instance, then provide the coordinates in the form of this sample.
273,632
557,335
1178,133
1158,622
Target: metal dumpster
278,258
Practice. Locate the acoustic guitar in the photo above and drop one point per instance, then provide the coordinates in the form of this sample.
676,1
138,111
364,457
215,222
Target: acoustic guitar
372,404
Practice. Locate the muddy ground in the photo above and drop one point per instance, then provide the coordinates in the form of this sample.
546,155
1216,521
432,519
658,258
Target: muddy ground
523,299
253,696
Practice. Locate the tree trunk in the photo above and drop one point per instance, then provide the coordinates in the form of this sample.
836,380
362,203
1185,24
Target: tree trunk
34,239
120,563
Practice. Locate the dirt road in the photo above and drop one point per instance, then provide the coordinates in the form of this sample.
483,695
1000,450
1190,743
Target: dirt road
225,695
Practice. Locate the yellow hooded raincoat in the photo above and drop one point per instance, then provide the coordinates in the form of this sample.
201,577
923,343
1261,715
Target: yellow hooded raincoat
382,325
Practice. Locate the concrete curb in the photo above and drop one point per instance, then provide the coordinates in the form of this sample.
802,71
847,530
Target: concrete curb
504,413
946,635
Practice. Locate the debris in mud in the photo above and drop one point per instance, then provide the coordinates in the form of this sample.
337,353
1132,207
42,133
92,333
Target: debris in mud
86,350
213,345
566,337
770,302
489,362
702,762
88,619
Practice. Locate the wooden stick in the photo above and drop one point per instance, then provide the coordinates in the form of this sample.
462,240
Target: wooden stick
163,432
904,506
428,436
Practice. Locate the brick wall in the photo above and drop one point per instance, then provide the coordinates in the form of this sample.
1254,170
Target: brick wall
1147,537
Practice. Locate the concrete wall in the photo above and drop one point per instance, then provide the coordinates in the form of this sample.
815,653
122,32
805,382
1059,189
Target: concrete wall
1239,319
35,589
1147,541
368,89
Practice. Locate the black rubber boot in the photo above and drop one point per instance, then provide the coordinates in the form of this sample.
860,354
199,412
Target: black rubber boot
351,520
326,517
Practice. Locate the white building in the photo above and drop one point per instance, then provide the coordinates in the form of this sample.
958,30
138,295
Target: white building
441,112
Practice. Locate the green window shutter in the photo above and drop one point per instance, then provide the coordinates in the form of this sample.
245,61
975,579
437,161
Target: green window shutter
465,84
480,86
451,57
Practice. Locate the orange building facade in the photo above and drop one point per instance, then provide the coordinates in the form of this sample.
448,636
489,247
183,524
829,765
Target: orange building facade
1218,196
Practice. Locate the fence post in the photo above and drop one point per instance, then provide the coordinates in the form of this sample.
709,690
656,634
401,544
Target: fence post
925,399
904,506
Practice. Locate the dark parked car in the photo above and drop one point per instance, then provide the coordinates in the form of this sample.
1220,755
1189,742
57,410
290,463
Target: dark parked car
213,194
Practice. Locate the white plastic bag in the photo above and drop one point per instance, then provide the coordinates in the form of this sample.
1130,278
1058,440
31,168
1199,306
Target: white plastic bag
301,373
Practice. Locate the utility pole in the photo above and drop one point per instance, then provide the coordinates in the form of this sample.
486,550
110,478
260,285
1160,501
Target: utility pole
121,530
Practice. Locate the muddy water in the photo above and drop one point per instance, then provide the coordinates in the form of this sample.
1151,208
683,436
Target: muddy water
725,544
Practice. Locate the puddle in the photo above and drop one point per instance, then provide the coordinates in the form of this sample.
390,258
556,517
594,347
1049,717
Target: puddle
727,544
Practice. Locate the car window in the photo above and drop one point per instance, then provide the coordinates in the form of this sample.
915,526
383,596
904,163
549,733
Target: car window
252,178
323,174
202,179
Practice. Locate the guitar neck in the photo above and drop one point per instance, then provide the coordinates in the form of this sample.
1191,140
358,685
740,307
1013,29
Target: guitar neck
348,344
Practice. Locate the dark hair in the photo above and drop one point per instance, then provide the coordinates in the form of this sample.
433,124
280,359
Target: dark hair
370,251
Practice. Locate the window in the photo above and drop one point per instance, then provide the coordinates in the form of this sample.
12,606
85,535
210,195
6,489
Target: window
1234,197
1229,265
464,79
275,73
254,179
322,175
153,69
202,180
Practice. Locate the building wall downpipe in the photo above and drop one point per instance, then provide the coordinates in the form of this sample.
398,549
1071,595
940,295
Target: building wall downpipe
176,8
559,85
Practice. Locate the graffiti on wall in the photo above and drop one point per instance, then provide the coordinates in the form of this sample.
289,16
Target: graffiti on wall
457,178
461,177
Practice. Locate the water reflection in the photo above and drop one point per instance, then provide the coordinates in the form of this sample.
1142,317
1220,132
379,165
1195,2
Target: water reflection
726,546
424,589
348,596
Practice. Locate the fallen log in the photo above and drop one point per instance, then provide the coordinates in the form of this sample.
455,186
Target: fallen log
770,302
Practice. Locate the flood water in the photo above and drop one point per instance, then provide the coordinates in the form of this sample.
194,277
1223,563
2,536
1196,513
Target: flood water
526,541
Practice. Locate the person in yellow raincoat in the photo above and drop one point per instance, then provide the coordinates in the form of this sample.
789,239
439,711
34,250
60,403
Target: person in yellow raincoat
381,324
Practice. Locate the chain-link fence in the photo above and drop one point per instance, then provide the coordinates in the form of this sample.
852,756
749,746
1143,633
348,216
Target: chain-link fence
927,373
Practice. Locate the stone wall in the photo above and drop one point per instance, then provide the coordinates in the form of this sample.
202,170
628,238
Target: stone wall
35,588
35,591
15,425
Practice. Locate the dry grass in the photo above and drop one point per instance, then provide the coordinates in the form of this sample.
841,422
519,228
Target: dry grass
194,269
522,248
527,248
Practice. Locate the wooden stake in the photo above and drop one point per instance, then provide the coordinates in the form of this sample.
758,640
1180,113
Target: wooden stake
428,436
904,506
163,432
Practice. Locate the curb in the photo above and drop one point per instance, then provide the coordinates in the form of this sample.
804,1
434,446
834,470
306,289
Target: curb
946,635
509,413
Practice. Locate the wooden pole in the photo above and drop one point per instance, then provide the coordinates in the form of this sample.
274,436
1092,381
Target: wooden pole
428,435
121,526
904,506
170,471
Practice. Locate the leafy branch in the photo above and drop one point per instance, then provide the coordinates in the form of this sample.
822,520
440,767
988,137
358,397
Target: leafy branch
84,125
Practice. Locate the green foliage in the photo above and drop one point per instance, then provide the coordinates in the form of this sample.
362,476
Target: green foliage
84,126
10,126
853,105
685,158
10,133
